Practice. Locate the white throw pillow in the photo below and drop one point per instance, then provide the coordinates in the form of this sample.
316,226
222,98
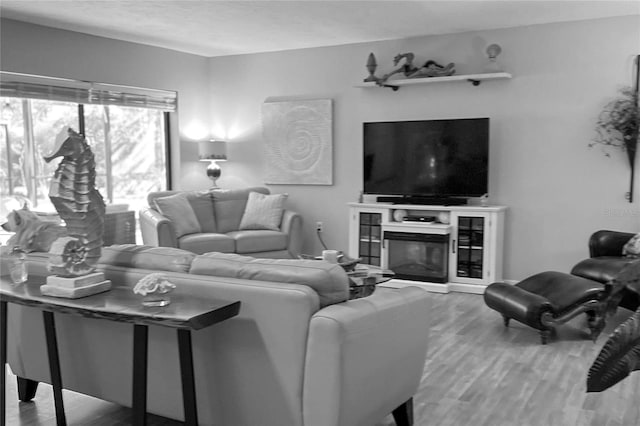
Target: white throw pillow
263,211
178,209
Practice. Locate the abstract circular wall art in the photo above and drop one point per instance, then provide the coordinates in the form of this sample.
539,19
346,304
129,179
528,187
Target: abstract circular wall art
298,142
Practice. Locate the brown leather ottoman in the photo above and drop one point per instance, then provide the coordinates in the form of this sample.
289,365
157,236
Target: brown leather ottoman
548,299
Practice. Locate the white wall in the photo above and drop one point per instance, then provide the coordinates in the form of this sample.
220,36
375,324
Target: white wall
557,189
34,49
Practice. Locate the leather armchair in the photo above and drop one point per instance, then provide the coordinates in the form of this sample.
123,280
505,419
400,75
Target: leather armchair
606,261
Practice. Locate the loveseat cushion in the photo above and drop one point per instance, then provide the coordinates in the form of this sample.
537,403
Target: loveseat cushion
229,205
206,242
147,257
258,240
328,280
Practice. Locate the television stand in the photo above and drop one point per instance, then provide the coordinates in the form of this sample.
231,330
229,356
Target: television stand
424,201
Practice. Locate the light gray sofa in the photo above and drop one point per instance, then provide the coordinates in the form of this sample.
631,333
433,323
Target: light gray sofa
219,213
296,355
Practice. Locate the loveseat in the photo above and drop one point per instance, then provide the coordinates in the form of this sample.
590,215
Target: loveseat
218,220
298,353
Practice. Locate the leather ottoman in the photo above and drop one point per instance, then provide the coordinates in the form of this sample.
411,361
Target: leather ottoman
548,299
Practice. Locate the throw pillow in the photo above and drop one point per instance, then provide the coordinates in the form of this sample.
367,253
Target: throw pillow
263,211
202,205
632,247
178,209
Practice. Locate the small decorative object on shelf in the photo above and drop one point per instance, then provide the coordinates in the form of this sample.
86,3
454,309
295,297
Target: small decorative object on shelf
154,289
371,67
444,217
429,69
399,215
484,200
493,50
18,265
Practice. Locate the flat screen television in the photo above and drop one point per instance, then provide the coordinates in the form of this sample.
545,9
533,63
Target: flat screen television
427,159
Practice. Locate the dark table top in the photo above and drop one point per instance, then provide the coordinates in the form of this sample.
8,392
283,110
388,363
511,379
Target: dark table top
121,304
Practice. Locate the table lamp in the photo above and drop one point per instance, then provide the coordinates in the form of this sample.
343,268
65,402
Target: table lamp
213,151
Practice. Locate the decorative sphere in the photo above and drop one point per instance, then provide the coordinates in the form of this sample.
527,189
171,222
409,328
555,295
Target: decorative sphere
443,217
493,50
399,215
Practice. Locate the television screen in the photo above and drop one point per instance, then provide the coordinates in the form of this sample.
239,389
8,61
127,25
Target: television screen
427,158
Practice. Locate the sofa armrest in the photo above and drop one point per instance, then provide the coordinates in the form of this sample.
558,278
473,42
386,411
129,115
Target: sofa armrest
157,230
608,243
365,357
292,226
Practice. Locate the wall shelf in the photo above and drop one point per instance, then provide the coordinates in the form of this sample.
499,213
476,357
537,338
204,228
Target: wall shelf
474,79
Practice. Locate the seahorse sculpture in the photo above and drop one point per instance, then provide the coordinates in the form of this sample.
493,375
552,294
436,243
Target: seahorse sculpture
75,197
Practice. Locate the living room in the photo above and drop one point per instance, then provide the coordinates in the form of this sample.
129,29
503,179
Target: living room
557,189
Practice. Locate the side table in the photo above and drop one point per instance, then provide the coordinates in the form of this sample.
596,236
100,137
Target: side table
185,313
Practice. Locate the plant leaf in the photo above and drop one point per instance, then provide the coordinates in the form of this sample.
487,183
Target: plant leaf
619,356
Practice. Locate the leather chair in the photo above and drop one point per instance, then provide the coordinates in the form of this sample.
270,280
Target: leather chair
606,261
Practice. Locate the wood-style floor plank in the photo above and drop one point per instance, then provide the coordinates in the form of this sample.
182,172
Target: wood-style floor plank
477,373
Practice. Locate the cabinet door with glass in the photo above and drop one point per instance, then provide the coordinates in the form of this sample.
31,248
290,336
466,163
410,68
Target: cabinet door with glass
365,239
471,248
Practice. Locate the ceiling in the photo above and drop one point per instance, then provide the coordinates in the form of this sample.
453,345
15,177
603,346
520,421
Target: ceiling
218,28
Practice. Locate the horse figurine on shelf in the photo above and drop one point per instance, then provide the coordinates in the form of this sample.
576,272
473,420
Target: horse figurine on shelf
429,69
74,195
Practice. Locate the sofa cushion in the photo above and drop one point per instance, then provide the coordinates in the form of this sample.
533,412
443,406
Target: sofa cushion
254,241
229,205
206,242
202,204
263,211
330,281
146,257
178,209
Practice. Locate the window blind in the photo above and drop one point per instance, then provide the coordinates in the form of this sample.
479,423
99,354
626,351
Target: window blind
16,85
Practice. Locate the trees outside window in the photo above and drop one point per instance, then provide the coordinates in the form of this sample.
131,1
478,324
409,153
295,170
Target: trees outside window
128,144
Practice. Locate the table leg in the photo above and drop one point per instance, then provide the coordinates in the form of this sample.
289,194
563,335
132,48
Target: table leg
139,392
3,361
188,381
54,366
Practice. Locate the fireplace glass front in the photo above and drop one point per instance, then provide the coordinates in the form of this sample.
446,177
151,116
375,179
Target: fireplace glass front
418,257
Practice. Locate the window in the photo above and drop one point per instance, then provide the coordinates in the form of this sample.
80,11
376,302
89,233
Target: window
125,127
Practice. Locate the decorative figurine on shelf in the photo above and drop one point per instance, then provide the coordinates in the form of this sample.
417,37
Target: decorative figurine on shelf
493,51
430,69
74,194
371,67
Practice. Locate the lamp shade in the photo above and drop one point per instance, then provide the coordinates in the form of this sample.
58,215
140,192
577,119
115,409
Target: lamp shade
212,150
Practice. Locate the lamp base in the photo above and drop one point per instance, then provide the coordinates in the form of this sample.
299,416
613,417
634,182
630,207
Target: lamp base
214,172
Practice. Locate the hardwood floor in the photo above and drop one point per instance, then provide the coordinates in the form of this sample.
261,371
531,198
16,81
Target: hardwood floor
477,373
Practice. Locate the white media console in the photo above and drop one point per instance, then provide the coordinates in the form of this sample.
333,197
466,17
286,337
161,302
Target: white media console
443,248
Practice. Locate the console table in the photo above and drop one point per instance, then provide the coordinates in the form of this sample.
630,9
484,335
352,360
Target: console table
185,313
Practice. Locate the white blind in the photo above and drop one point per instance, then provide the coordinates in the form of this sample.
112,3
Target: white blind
15,85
